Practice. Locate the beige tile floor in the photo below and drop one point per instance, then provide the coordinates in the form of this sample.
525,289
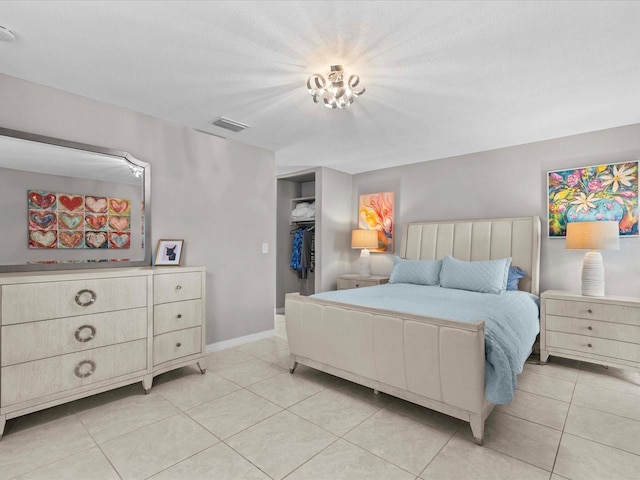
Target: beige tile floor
248,418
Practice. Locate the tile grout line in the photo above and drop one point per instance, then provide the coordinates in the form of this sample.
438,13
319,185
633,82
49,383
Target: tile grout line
245,458
312,457
533,421
439,451
97,444
564,424
599,411
74,414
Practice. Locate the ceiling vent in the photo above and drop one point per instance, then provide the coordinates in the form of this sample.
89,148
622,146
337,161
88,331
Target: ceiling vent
230,124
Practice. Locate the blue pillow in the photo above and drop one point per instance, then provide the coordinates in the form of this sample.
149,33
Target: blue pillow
418,272
488,276
515,274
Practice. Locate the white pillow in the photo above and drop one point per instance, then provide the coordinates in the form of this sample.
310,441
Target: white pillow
418,272
488,276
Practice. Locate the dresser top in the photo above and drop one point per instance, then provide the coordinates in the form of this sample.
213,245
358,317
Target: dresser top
62,275
608,299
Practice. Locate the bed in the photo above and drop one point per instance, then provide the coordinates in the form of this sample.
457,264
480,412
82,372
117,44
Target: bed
430,360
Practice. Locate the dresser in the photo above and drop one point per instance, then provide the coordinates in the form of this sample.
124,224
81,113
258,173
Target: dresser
70,334
603,330
354,280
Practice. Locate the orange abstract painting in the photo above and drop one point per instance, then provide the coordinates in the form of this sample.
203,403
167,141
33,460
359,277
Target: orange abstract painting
375,212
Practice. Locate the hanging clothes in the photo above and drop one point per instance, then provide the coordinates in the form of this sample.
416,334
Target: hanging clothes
296,249
302,251
305,253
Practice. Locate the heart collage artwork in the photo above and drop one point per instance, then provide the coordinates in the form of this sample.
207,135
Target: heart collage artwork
62,220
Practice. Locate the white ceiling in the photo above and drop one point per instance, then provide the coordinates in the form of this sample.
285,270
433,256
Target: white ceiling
442,78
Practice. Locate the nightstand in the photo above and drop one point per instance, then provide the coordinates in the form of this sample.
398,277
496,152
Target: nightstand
354,280
603,330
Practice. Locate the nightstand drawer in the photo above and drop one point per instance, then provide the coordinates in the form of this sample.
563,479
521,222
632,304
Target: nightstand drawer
345,284
180,343
173,316
353,280
592,310
594,328
594,346
175,287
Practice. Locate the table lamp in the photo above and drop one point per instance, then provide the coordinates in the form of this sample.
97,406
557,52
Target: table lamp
593,236
364,239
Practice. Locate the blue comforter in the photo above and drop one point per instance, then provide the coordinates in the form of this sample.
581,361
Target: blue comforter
511,322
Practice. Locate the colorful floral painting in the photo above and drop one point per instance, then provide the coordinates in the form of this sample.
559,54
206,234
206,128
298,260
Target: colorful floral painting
63,220
375,212
589,194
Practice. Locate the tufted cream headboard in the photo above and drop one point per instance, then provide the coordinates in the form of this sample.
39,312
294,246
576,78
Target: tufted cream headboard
518,238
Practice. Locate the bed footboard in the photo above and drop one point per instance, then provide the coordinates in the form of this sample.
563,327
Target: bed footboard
432,362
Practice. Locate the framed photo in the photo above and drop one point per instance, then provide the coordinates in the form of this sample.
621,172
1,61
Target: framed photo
375,212
591,194
169,252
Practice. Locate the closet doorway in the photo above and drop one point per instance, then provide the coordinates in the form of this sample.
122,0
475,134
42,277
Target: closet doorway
318,202
296,259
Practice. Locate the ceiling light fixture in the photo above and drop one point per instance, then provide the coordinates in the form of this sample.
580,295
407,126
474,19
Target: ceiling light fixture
6,34
333,91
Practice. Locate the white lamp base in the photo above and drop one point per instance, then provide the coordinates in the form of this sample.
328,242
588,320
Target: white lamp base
365,263
593,275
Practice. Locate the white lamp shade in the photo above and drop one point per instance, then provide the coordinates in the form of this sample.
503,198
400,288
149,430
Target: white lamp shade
364,239
593,236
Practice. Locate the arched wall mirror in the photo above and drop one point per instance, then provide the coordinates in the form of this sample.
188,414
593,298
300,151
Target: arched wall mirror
69,205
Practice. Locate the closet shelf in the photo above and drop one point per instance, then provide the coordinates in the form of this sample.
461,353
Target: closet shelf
297,201
308,220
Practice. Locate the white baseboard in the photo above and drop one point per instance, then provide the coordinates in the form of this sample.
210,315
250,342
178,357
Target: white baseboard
234,342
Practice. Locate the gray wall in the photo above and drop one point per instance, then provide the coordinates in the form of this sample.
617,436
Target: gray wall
218,195
504,183
333,194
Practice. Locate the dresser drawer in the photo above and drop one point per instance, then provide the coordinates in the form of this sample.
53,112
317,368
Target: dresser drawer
594,328
175,287
594,346
593,310
37,379
24,342
173,345
42,301
176,316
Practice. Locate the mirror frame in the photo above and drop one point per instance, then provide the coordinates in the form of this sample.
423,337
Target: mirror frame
146,187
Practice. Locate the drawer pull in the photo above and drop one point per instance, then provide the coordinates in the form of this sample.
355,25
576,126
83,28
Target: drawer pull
589,327
589,345
357,285
178,344
178,287
589,311
179,315
81,370
83,302
85,338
